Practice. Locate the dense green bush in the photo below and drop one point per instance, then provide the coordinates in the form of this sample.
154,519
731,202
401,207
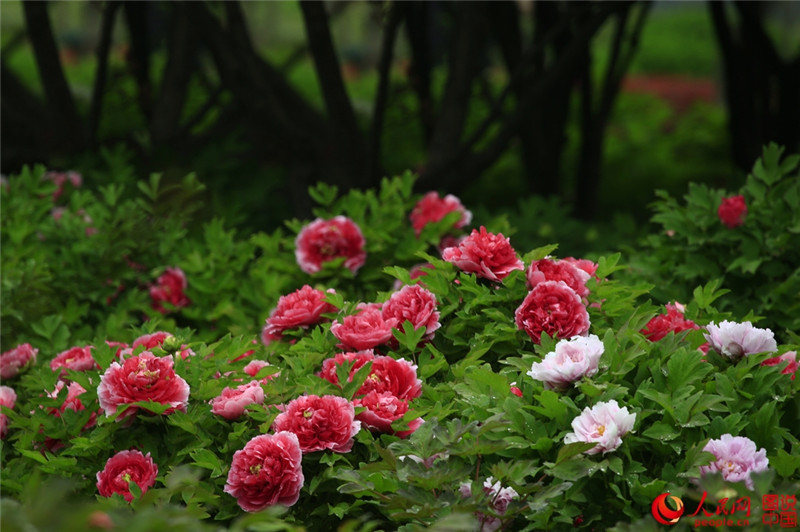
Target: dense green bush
757,261
475,426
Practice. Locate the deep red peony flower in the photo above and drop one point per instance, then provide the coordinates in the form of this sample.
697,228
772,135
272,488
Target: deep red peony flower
169,288
358,359
672,321
231,403
554,308
144,377
790,357
364,330
381,410
266,472
15,360
123,468
732,211
558,270
151,341
74,358
301,308
415,304
485,254
320,423
432,208
324,240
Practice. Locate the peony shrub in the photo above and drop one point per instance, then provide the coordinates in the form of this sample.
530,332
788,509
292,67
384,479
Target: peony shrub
486,393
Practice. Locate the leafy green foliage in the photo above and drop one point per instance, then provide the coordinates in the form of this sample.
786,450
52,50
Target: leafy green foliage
474,426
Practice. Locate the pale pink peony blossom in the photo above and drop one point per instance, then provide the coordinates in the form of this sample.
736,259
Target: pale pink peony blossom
572,360
266,472
485,254
231,403
736,457
499,498
604,423
432,208
15,360
322,241
8,398
735,340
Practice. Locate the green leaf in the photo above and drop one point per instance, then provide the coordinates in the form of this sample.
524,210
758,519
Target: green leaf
572,449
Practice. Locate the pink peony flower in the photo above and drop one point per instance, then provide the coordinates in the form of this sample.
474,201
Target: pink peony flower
736,457
301,308
16,360
231,403
151,341
485,254
266,472
144,377
449,241
673,321
123,468
735,340
169,288
320,423
415,304
558,270
381,410
604,423
732,211
254,366
582,264
554,308
8,398
364,330
325,240
432,208
74,358
358,359
791,367
71,401
398,377
572,360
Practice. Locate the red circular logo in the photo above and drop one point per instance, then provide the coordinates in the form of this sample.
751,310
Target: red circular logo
663,513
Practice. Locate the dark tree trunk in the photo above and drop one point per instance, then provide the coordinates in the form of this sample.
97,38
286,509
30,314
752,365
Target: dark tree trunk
98,91
62,114
762,91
